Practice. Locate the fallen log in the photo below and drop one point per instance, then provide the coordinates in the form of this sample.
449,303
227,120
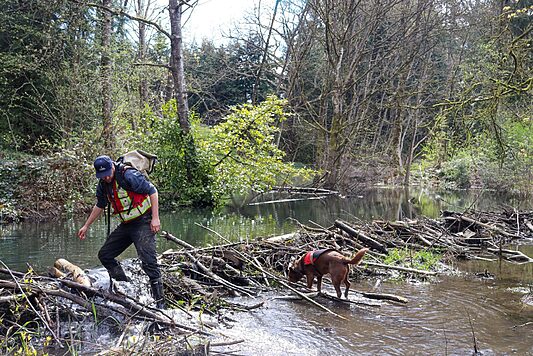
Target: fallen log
513,255
486,226
359,235
78,275
328,296
398,268
305,190
286,200
381,296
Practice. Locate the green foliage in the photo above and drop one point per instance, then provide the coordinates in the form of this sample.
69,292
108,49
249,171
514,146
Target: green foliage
480,162
456,172
181,171
37,184
214,164
47,83
242,151
423,259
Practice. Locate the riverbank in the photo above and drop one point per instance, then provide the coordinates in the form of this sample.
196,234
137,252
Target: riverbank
63,184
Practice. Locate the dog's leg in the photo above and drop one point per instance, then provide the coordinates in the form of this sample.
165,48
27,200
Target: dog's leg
310,278
347,284
336,280
319,283
338,290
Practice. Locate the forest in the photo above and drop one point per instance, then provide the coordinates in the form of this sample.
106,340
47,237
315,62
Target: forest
331,94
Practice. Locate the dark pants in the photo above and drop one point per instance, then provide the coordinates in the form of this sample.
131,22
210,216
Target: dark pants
136,232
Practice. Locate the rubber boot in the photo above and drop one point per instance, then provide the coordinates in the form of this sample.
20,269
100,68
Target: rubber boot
157,293
118,274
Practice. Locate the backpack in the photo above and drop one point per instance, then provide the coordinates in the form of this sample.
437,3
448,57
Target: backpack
140,160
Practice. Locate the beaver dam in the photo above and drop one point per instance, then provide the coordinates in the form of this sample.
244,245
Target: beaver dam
68,310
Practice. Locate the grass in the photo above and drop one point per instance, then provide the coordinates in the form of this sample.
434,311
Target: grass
424,259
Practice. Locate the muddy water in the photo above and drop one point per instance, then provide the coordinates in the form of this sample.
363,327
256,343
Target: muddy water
440,319
444,316
478,307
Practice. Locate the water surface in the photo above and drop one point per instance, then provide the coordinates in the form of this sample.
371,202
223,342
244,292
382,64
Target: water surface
479,307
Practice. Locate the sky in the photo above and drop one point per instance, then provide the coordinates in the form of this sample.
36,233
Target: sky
210,18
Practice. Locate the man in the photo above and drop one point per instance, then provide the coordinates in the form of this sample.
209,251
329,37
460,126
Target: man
135,201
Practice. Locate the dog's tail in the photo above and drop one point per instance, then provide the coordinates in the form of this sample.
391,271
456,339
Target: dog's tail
358,256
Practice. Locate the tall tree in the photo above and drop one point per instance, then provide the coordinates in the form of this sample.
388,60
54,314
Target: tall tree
105,64
175,9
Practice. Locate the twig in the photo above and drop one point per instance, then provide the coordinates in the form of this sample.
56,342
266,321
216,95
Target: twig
32,307
212,275
278,279
398,268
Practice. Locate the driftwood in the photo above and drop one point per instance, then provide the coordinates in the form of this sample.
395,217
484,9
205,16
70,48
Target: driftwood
77,273
382,296
295,194
361,236
305,190
486,226
399,268
129,307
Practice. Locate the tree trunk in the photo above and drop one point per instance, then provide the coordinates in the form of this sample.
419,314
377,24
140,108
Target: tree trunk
176,64
141,55
105,65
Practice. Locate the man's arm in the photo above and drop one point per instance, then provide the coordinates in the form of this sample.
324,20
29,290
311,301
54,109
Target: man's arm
95,213
155,225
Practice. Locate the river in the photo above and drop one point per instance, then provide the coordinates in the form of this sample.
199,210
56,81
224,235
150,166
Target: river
478,307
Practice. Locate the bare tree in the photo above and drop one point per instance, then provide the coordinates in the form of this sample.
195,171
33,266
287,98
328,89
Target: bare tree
175,9
105,64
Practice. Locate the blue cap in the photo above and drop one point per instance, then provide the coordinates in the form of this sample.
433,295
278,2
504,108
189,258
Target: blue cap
103,166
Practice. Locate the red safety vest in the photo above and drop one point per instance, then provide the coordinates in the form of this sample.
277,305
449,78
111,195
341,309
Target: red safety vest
128,205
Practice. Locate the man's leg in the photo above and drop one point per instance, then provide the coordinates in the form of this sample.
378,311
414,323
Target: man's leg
144,240
116,243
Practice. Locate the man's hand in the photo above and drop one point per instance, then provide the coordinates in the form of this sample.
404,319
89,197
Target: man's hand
95,213
155,225
82,232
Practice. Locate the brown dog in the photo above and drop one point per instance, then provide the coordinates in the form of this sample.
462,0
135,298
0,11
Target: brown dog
320,262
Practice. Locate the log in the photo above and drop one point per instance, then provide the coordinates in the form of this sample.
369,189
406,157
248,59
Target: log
359,235
77,273
382,296
486,226
529,225
328,296
282,238
305,190
286,200
398,268
513,255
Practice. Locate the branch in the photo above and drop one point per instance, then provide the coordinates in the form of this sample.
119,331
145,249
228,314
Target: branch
120,12
148,64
